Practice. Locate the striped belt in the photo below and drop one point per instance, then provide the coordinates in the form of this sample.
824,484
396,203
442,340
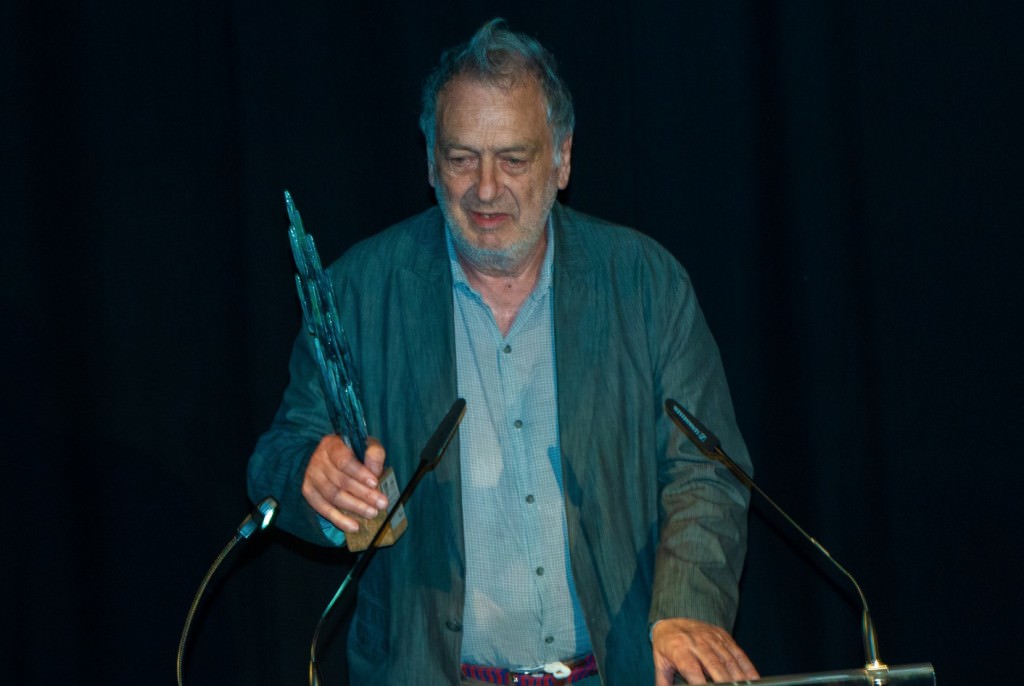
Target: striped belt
578,669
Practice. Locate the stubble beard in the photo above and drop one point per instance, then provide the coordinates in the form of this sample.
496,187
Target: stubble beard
499,261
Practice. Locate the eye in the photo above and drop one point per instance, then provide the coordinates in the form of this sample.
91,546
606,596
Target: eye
514,163
458,162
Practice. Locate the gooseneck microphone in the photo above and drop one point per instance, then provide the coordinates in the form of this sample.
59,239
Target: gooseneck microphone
257,520
429,458
711,448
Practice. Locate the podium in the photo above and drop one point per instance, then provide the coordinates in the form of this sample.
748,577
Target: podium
922,674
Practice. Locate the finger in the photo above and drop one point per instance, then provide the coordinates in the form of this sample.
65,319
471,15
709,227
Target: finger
715,665
723,660
362,481
337,455
679,659
374,457
740,666
347,492
691,671
330,512
341,481
355,472
352,506
665,676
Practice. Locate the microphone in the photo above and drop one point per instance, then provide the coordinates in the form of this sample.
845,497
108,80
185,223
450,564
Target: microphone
431,456
257,520
711,447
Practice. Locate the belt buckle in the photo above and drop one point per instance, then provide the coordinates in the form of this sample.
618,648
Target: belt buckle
527,677
551,674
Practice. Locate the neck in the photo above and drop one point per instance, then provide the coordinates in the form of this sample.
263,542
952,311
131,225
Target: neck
506,290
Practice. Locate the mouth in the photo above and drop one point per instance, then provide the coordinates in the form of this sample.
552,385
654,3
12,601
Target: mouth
488,220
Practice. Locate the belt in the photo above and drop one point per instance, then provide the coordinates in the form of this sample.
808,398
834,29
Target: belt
578,669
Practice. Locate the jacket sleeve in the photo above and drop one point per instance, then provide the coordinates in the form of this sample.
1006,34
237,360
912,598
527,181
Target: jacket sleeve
702,507
279,460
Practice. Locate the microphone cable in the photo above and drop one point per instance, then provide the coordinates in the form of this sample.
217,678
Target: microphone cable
257,520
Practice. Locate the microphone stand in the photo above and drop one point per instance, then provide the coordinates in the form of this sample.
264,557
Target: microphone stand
429,458
257,520
711,447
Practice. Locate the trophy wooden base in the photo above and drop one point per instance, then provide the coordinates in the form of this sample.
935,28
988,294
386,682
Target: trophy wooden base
362,539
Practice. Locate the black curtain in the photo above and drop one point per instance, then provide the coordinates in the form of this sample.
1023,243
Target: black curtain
842,180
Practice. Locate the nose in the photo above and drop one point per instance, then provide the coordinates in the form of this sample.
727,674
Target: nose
488,187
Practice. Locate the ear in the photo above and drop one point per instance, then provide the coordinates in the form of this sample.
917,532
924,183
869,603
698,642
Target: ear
431,174
566,163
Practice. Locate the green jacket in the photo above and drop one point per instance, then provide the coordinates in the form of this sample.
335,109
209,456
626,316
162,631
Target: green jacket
655,530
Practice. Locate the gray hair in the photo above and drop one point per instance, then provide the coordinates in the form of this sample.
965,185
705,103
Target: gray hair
498,56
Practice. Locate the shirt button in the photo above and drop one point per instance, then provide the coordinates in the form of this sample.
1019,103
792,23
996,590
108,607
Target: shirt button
549,639
540,571
507,349
518,423
529,498
453,625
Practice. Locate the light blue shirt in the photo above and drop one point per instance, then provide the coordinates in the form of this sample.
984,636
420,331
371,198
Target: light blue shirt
521,607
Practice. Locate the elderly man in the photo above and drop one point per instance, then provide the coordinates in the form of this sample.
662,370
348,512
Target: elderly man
570,535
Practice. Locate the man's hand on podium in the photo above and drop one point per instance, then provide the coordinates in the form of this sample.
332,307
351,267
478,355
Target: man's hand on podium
697,651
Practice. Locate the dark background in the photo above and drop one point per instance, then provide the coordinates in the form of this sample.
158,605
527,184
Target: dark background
842,180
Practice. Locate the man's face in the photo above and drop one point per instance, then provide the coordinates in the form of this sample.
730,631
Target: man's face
494,170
